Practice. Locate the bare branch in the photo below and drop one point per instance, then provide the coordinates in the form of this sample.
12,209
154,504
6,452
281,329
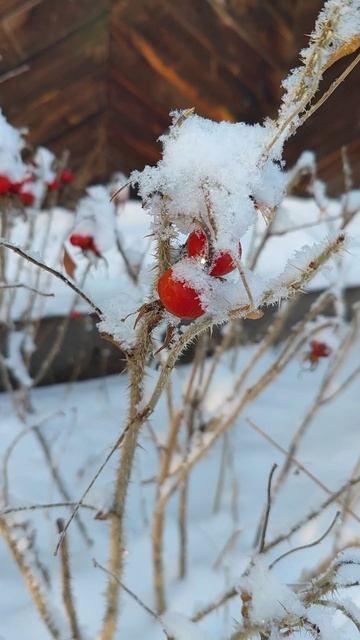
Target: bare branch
67,594
133,595
54,272
267,511
25,286
306,546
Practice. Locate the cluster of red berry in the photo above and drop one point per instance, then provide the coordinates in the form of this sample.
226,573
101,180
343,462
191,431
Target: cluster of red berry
8,187
178,297
86,243
27,198
66,177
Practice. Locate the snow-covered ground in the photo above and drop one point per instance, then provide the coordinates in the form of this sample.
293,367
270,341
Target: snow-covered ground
84,420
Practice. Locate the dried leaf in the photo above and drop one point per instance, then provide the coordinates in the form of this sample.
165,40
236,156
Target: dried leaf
345,50
69,264
255,315
170,330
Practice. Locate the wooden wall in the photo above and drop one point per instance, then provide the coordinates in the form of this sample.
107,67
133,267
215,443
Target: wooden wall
100,77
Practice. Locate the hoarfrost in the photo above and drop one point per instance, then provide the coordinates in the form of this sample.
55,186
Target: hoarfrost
213,165
270,598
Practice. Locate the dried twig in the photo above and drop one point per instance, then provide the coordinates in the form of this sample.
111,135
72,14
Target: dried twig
306,546
54,272
133,595
67,594
37,596
267,510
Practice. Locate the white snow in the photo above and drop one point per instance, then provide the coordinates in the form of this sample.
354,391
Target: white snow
108,280
81,434
11,144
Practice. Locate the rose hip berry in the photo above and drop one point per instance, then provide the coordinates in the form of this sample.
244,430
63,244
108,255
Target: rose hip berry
178,297
67,176
198,247
86,243
27,198
5,185
54,185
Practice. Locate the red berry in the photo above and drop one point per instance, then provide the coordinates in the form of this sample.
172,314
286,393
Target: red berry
222,264
178,297
197,244
27,198
86,243
16,187
197,247
78,240
67,176
54,185
5,185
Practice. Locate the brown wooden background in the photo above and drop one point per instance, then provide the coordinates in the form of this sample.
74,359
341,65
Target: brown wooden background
99,77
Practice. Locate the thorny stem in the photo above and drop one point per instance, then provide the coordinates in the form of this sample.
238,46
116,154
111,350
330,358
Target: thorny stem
180,345
46,505
136,360
67,594
159,511
30,580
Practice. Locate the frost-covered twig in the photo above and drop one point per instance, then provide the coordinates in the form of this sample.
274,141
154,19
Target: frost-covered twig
46,505
39,263
136,362
37,596
19,285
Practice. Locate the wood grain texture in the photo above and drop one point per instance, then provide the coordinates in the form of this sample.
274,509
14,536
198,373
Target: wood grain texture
38,24
111,71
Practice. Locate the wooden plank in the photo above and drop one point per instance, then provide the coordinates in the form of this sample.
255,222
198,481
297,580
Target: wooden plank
45,86
331,169
7,6
336,122
125,152
227,47
9,56
38,24
86,142
198,47
52,113
134,109
262,28
158,82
